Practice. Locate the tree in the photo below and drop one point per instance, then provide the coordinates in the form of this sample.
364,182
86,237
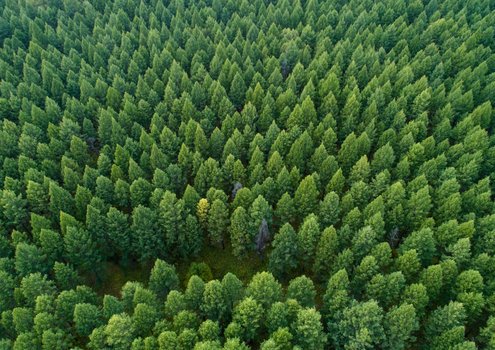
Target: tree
163,278
445,318
55,339
96,227
364,241
260,219
306,197
308,330
361,326
284,257
400,323
202,212
409,264
117,225
300,151
209,330
97,339
329,209
280,339
432,279
235,344
140,192
13,209
194,292
309,236
233,289
336,297
213,304
240,235
144,318
146,235
192,242
6,291
326,251
303,290
383,158
122,193
65,276
28,259
418,207
237,91
284,209
487,334
86,318
264,289
25,340
423,242
36,196
172,219
60,200
80,249
416,295
52,245
119,331
218,217
34,285
248,315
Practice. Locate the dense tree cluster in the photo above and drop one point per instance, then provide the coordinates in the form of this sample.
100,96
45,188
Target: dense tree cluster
357,136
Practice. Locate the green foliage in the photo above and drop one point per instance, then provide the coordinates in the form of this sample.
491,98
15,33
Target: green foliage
134,132
86,318
163,278
217,222
306,197
309,330
248,315
119,331
240,236
264,289
303,290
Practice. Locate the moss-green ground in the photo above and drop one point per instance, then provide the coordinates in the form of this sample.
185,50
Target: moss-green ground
220,261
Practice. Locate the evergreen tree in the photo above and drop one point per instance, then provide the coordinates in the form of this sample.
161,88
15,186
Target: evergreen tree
309,236
240,236
163,278
309,330
218,217
284,257
306,197
81,249
146,237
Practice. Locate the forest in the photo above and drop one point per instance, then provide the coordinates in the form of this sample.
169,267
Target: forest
247,174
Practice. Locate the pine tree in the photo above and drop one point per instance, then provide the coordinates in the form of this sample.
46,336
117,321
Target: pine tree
163,278
306,197
218,217
171,214
240,236
326,252
284,257
309,236
309,330
146,237
81,249
237,91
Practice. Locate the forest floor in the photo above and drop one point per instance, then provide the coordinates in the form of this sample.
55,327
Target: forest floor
220,261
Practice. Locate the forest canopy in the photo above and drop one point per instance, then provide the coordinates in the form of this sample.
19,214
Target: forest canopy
341,153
